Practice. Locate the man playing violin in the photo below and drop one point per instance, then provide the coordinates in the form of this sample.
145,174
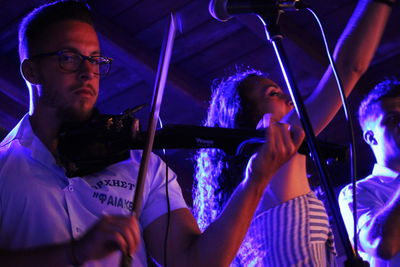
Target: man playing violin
47,219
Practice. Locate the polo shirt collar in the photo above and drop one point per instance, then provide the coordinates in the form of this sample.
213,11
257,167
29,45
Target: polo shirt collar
385,174
24,134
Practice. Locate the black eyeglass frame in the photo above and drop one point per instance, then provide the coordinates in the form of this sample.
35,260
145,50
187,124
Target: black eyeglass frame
106,60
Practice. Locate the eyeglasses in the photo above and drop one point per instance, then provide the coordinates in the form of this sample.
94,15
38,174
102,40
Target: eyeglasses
71,61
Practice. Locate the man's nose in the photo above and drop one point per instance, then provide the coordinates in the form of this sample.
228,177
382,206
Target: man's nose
86,70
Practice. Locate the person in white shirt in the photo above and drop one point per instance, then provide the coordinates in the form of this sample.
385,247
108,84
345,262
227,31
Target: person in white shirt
47,219
378,195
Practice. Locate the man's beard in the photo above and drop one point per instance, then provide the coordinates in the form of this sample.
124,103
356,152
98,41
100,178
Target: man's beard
67,110
72,115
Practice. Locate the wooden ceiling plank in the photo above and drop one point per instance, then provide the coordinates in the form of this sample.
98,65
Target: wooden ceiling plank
216,56
299,36
140,16
202,39
142,60
190,17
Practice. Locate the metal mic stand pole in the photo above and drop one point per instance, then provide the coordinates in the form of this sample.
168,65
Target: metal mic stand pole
270,21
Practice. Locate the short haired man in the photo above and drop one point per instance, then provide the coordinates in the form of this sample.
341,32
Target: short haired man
378,195
47,219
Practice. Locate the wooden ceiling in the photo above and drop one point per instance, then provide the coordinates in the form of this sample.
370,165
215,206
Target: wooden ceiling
131,32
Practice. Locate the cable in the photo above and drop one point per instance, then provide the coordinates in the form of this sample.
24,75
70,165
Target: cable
349,120
168,215
168,202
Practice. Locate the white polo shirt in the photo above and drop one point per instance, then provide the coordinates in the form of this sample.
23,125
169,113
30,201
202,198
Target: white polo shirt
39,205
373,193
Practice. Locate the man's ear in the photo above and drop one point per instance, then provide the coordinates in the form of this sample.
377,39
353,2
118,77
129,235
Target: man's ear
370,138
29,71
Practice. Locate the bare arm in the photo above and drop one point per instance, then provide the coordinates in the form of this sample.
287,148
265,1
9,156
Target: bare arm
219,243
381,237
353,53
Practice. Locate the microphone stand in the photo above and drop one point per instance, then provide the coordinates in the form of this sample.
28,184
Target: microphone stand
270,22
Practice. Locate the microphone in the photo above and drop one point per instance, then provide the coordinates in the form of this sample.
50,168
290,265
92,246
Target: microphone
223,10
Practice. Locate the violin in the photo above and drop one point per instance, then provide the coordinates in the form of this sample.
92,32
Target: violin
105,139
90,146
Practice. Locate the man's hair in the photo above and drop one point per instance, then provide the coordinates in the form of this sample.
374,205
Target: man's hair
42,18
369,107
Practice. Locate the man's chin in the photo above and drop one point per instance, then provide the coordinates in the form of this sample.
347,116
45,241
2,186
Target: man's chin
77,115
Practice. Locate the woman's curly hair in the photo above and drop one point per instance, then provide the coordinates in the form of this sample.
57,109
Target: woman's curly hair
217,174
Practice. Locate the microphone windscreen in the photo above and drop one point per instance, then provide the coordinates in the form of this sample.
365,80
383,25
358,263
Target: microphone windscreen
218,9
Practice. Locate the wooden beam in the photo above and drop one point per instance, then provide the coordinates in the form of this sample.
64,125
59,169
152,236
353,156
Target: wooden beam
142,60
294,32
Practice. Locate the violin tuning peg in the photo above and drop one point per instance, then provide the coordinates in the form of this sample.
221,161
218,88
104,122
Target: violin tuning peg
132,111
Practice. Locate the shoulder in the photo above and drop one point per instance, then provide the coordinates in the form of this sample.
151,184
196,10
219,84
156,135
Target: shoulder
364,186
10,151
136,157
156,168
21,134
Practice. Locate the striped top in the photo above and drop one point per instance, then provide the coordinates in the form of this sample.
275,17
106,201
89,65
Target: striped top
295,233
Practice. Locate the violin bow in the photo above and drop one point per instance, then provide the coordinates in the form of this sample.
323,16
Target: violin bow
161,78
